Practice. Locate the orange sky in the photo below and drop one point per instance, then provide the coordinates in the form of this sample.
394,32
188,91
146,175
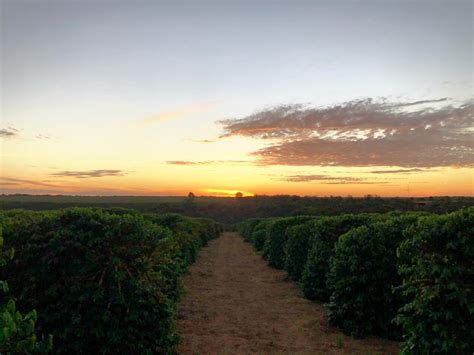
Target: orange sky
319,98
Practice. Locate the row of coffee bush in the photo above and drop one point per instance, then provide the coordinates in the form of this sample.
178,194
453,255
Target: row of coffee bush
101,281
404,276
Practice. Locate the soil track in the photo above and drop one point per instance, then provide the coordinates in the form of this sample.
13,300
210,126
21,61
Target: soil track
236,304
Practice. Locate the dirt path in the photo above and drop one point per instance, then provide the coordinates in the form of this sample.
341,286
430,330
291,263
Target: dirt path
235,303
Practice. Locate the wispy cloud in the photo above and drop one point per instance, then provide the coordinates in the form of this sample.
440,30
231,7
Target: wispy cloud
8,132
329,179
203,140
178,112
307,178
11,181
88,173
401,171
366,132
42,136
207,162
342,182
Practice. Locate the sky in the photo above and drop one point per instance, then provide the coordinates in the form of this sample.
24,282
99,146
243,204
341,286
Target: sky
264,97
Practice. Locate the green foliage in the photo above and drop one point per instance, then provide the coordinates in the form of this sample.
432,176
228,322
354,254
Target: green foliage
17,331
230,210
397,275
246,228
321,248
207,229
362,276
296,248
103,282
259,234
437,265
274,248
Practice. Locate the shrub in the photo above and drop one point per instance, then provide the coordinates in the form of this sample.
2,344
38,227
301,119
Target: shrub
259,234
190,233
438,281
276,237
102,282
296,248
362,277
17,331
246,228
321,248
207,229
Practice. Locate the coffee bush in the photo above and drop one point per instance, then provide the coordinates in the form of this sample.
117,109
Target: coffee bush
437,266
102,282
362,278
321,248
274,247
296,248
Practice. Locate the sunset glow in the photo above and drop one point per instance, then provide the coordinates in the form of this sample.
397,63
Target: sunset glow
104,98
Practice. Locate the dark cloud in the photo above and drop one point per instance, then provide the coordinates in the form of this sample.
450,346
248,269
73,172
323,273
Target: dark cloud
364,132
88,173
330,180
8,132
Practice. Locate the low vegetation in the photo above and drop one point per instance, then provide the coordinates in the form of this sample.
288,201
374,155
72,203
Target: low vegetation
437,267
107,280
230,210
102,281
405,276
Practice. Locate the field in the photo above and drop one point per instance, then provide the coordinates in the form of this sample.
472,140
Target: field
230,211
235,177
237,304
81,280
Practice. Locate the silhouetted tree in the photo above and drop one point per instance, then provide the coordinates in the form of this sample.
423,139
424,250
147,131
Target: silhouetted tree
189,202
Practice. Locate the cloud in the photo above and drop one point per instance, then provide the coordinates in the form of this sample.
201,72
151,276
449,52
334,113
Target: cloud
178,113
356,183
14,181
88,173
203,140
42,136
206,162
307,178
8,132
330,180
366,132
400,171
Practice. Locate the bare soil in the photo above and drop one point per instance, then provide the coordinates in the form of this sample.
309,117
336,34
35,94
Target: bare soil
235,303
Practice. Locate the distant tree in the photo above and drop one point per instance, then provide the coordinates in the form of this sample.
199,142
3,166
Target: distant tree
239,194
189,202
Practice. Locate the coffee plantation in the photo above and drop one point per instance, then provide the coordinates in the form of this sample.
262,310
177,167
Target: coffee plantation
99,281
108,280
400,275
